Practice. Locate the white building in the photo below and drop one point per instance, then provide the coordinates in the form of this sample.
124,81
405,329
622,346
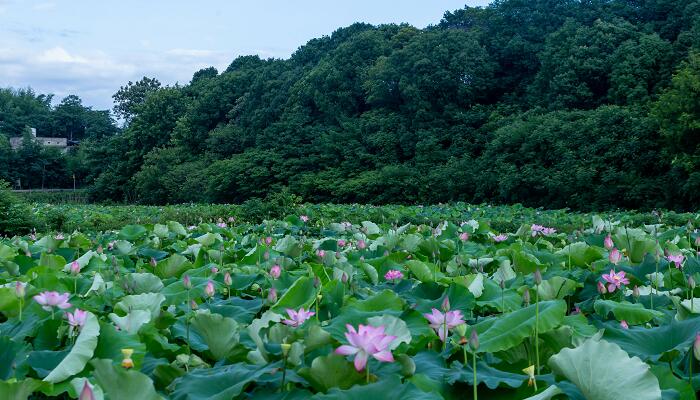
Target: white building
57,142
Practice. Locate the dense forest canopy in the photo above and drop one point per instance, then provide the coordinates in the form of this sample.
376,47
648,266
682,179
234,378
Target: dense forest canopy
555,103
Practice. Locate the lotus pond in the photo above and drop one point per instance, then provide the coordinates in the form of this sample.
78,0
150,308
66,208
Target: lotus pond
304,308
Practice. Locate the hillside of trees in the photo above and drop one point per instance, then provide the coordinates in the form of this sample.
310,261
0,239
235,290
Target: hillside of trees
588,104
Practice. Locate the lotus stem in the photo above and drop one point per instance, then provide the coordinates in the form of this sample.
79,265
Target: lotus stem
367,371
474,372
537,328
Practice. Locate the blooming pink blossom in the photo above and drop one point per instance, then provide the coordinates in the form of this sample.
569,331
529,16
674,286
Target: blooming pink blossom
209,290
74,268
49,300
297,318
214,270
77,318
361,244
608,242
321,253
222,225
304,218
676,259
442,323
268,240
367,341
615,256
393,274
275,271
500,238
615,280
464,236
624,324
341,242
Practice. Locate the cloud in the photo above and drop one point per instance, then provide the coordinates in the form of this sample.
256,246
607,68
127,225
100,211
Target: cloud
44,6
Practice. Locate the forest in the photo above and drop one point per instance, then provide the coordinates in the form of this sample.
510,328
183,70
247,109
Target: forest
588,105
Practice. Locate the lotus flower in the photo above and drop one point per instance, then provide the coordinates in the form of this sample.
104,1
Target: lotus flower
608,242
615,256
297,318
442,323
367,341
275,271
74,268
268,240
222,225
624,324
361,244
304,218
214,270
49,300
272,295
615,280
341,242
696,346
393,274
500,238
321,253
77,318
86,393
676,259
209,290
464,236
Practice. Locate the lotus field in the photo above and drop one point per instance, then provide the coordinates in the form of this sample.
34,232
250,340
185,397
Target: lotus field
303,308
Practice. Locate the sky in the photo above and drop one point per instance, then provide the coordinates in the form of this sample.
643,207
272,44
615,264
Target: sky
92,47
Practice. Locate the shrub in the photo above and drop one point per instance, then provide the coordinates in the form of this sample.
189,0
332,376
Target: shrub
15,215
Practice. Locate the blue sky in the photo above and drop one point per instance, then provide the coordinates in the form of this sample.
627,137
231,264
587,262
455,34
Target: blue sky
91,47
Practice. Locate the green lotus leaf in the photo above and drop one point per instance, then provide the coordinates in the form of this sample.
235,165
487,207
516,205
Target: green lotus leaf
19,389
132,232
218,383
506,331
123,384
332,371
486,374
143,282
379,390
173,266
131,322
81,352
302,293
392,326
219,333
150,302
633,313
603,371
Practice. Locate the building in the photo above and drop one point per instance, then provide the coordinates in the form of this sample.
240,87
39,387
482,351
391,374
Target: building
57,142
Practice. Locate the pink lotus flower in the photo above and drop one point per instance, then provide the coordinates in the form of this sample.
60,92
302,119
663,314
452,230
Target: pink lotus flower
304,218
275,271
321,253
624,324
601,288
187,282
214,270
548,231
231,219
341,242
367,341
676,259
209,290
49,300
153,262
696,346
110,245
227,279
268,240
442,323
361,244
222,225
500,238
464,236
86,393
608,242
74,268
615,280
393,274
77,318
536,229
20,289
272,295
615,256
297,318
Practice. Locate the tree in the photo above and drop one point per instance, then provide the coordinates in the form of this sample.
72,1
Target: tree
129,98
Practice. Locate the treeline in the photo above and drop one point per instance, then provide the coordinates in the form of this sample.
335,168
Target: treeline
34,166
556,103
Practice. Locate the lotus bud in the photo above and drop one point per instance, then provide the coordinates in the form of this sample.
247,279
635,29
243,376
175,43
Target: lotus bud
461,329
361,244
502,284
341,242
187,282
275,271
154,263
209,290
526,296
464,236
20,290
344,278
285,348
624,324
127,362
615,256
272,295
691,282
696,346
268,240
266,255
74,268
635,292
321,253
193,305
474,341
601,288
227,279
214,270
538,277
86,393
446,304
608,242
317,282
100,249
